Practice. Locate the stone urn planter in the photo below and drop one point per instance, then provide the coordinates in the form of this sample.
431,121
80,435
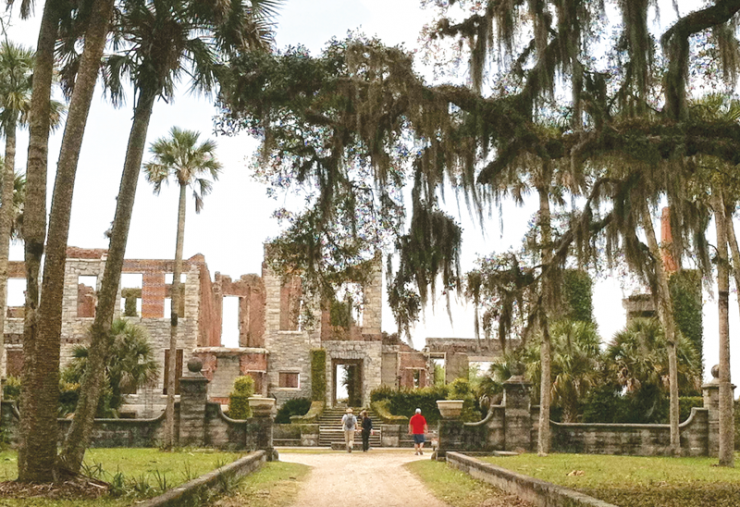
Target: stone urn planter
261,406
450,409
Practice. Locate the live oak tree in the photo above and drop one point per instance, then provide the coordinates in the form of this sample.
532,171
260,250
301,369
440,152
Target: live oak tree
537,101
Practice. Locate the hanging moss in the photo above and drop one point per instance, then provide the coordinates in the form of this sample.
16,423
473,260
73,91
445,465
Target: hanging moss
577,295
318,374
687,305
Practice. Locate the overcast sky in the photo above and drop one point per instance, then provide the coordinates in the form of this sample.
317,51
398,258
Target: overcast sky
236,221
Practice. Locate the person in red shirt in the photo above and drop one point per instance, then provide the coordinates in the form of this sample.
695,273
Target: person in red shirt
417,428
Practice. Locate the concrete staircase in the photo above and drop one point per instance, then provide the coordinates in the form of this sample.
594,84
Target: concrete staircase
331,433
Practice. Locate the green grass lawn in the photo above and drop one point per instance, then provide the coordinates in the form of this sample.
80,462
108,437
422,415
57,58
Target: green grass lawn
275,484
457,488
146,473
630,481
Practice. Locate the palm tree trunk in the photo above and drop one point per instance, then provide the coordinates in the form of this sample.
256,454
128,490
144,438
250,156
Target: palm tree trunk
172,364
37,445
664,306
543,435
78,437
49,317
726,426
6,222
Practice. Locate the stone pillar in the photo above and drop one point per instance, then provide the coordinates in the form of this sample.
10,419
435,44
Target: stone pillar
517,417
451,428
193,399
710,392
259,427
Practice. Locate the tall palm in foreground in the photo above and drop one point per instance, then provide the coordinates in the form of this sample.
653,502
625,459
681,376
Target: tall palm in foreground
180,157
16,69
156,43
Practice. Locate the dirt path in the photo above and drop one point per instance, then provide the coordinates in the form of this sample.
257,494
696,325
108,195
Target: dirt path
373,478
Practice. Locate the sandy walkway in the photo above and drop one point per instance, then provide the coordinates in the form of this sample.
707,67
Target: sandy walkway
373,478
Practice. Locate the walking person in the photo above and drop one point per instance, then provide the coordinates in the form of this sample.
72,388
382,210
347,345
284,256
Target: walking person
367,430
349,425
418,428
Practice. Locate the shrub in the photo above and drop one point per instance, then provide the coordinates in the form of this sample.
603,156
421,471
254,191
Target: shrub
686,403
295,406
12,389
318,375
460,389
404,401
239,398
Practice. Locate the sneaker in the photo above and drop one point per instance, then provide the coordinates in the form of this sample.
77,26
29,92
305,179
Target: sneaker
421,453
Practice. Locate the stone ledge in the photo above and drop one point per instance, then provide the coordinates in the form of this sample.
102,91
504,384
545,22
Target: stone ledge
211,480
535,491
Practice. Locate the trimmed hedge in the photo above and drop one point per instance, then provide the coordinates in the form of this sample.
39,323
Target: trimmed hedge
318,375
404,401
239,398
294,406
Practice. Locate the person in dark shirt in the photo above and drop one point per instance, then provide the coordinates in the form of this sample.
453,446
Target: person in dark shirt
367,430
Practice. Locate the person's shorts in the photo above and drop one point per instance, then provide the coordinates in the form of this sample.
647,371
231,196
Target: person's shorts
418,439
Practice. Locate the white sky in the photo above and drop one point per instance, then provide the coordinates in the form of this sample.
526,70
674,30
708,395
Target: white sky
236,219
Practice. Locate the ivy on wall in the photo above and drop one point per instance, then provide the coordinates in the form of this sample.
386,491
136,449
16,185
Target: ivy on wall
318,375
577,296
685,289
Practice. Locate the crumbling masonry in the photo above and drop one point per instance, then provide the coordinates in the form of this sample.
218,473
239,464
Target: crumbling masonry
274,349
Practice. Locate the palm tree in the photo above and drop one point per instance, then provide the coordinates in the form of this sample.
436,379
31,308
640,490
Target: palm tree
158,42
131,365
575,361
180,157
16,68
638,358
43,317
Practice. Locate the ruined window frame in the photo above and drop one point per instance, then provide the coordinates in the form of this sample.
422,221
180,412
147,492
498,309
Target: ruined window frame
297,382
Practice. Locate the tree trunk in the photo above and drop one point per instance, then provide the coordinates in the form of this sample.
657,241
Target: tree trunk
6,223
172,364
543,435
664,305
78,437
37,443
49,317
726,423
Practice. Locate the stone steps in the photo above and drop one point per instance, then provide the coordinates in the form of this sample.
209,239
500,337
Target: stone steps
331,432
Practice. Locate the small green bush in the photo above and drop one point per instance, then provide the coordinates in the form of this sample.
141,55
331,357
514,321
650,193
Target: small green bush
686,403
460,389
404,401
12,389
295,406
239,398
318,375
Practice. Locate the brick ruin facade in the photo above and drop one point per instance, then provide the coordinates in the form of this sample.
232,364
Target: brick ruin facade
274,348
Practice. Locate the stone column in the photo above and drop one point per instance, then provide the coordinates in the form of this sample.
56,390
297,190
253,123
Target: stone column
451,428
710,392
193,399
259,427
517,417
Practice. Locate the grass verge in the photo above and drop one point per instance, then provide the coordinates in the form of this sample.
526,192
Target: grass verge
134,473
458,489
275,484
632,481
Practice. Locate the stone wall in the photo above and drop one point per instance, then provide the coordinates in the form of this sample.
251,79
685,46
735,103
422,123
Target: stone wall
289,351
633,439
512,426
368,352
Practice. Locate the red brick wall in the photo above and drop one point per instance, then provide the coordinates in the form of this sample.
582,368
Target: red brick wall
153,292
